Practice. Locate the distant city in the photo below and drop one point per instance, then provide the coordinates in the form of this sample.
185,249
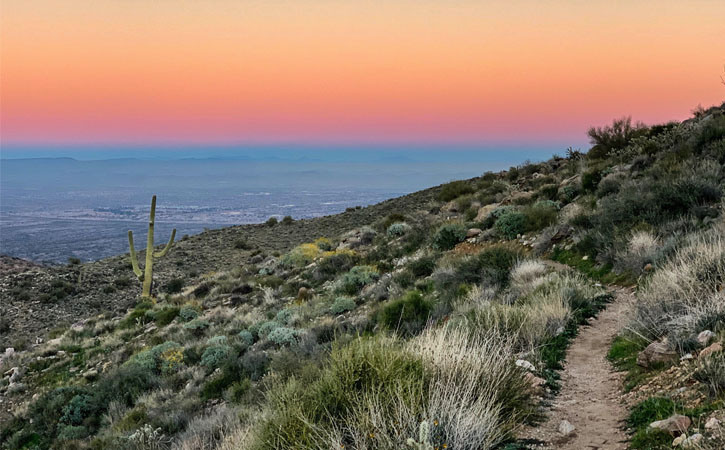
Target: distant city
55,209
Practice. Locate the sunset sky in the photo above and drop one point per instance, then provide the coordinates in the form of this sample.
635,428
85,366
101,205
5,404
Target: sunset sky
361,73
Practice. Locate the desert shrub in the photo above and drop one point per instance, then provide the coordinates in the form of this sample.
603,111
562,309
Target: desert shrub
711,372
332,264
242,244
549,191
151,359
122,282
569,193
246,337
527,275
683,296
323,244
398,229
608,185
342,305
165,316
641,250
197,326
407,315
454,189
590,179
266,327
301,255
174,286
540,215
357,278
491,266
510,224
374,392
283,336
448,236
287,220
272,221
423,266
187,313
613,137
216,354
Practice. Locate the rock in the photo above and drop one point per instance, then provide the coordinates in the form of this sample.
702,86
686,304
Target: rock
537,384
648,267
484,211
676,424
525,365
656,353
687,357
712,423
714,348
473,232
451,207
692,441
705,337
15,375
78,326
566,428
585,257
90,374
304,294
679,440
54,342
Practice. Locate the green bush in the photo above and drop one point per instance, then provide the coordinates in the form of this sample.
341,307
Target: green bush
188,313
422,267
540,215
398,229
711,372
613,137
283,336
407,315
174,286
448,236
246,337
454,189
216,355
197,326
650,410
590,180
165,316
330,266
342,305
287,220
510,224
272,221
266,327
357,278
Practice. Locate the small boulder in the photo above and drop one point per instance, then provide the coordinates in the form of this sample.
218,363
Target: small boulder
566,428
675,424
692,441
304,294
525,365
679,440
473,232
705,337
537,384
647,267
484,211
656,353
712,423
714,348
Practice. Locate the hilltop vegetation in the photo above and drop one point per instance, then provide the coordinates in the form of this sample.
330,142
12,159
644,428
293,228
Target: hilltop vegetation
435,319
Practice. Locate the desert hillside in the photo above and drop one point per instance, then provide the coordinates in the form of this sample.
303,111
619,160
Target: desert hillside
486,313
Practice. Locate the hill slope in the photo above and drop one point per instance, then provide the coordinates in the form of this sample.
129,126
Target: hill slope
428,319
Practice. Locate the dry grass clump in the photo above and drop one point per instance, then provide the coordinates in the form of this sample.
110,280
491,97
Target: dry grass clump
375,393
641,250
685,295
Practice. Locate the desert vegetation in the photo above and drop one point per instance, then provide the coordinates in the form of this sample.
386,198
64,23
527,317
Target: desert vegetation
436,323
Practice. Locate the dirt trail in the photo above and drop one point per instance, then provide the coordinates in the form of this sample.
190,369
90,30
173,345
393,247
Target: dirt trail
590,389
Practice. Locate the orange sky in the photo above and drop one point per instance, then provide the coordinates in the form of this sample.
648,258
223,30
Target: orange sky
360,72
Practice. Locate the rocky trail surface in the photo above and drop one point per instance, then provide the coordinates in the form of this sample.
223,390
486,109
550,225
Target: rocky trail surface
588,414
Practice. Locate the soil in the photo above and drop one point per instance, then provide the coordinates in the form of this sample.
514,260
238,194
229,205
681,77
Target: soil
590,396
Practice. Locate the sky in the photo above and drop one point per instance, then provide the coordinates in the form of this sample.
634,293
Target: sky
503,74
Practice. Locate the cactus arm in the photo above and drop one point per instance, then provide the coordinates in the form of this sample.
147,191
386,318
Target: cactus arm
163,252
148,269
134,258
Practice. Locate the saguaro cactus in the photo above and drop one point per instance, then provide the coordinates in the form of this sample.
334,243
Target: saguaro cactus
146,277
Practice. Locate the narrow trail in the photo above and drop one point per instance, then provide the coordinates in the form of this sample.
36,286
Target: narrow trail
590,388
